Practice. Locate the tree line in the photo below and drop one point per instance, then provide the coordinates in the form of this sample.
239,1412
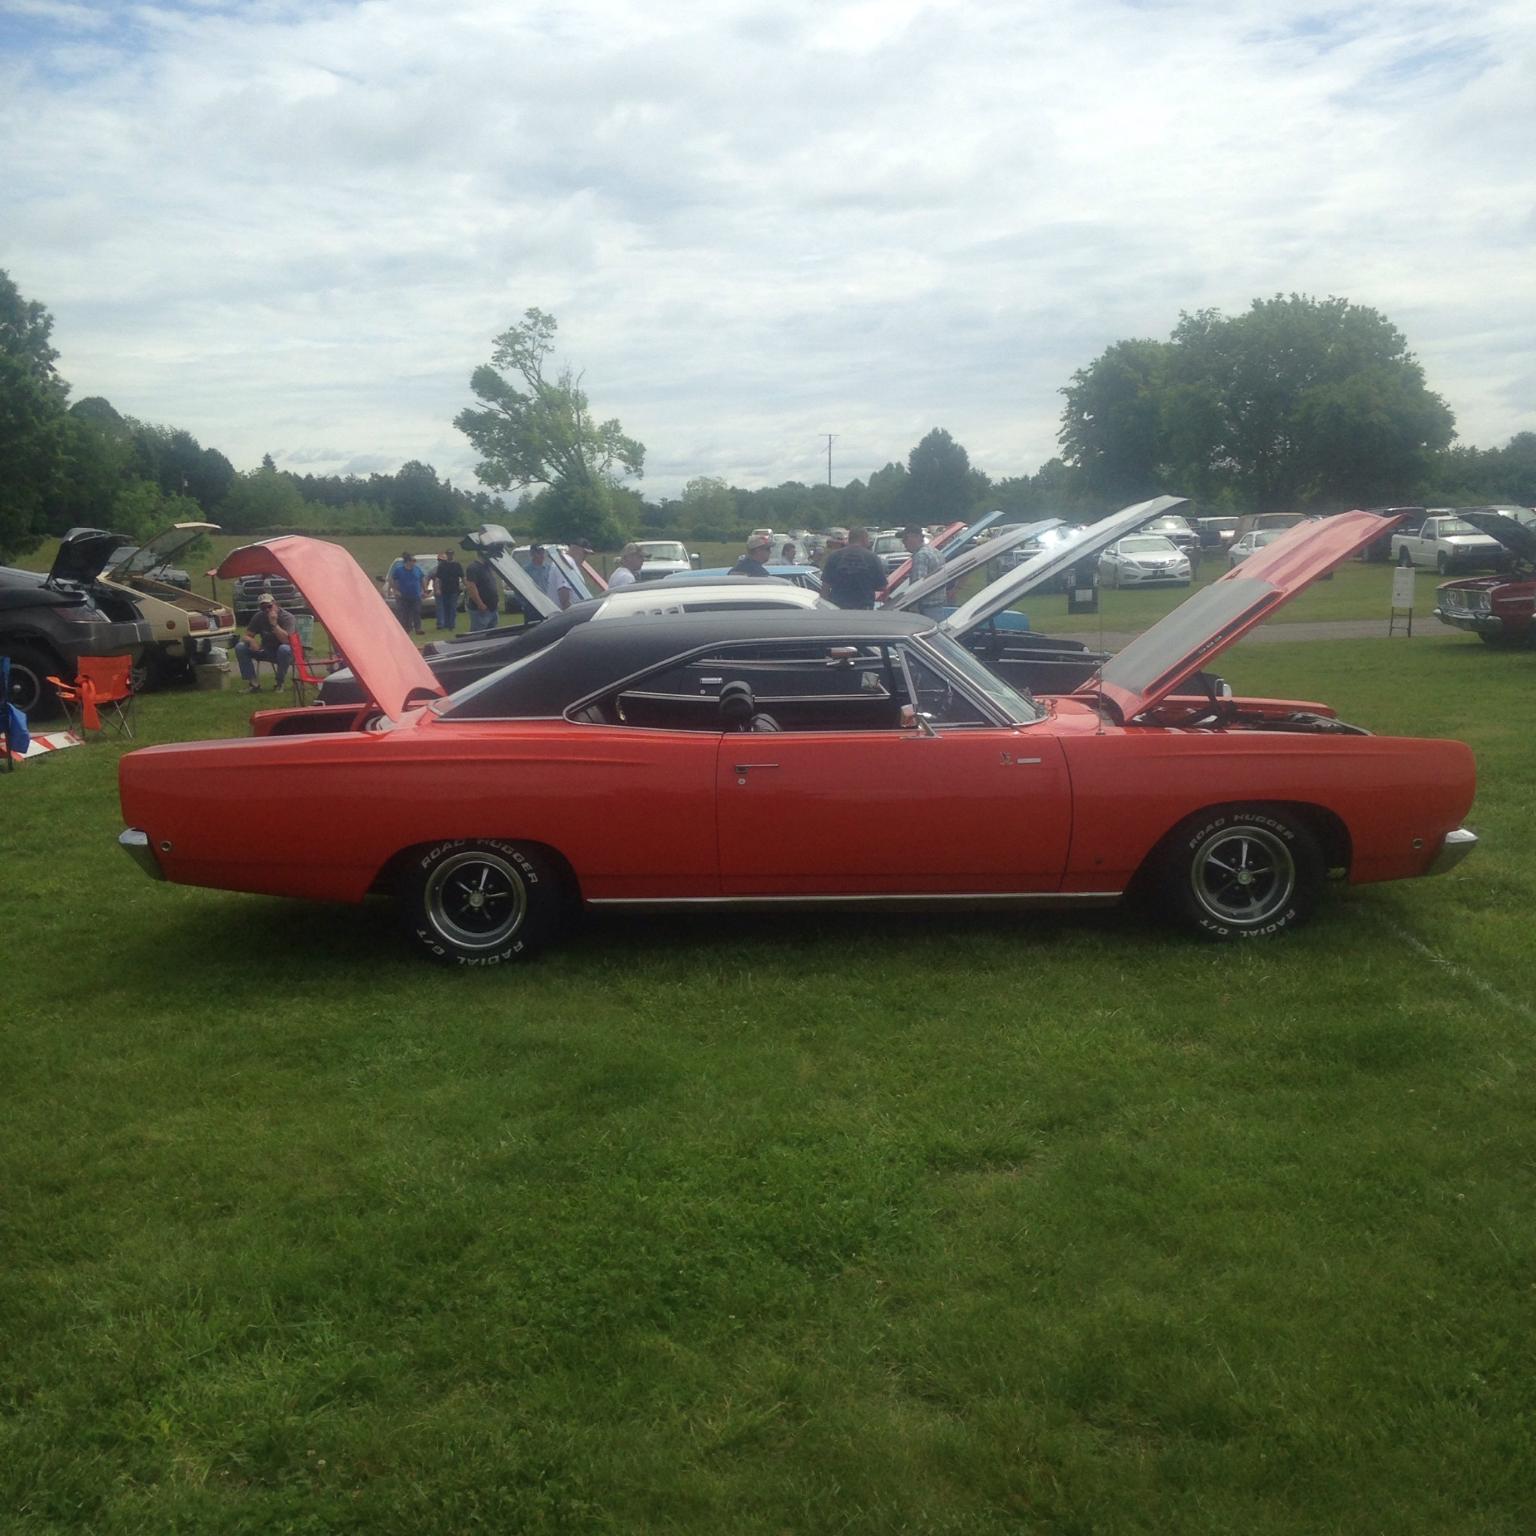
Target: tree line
1298,404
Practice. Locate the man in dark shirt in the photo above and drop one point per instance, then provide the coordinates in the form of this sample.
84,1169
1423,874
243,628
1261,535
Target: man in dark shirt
266,638
449,577
483,594
755,561
853,575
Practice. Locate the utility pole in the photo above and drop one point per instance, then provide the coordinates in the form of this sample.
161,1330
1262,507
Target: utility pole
831,438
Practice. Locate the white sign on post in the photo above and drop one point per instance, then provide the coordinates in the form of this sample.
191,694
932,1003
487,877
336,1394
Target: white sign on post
1402,598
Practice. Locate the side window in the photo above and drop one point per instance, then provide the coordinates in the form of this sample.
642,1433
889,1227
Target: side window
794,686
936,698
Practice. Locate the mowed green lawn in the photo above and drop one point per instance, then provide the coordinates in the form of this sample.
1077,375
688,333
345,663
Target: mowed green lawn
950,1224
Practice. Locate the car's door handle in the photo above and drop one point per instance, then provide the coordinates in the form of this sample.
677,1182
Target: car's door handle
746,767
1010,761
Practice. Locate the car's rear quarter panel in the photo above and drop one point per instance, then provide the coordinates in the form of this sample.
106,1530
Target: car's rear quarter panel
321,816
1395,797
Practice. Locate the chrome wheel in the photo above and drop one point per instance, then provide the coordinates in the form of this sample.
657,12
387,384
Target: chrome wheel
1244,876
475,900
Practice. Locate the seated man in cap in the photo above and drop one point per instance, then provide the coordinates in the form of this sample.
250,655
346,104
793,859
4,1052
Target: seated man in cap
755,561
266,638
627,572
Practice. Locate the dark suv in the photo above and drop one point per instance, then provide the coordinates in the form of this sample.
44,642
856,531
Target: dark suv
47,624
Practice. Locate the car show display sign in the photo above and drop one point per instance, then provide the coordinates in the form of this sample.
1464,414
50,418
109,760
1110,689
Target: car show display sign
1402,597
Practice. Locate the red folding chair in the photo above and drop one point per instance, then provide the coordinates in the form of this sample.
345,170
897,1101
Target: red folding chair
101,696
303,674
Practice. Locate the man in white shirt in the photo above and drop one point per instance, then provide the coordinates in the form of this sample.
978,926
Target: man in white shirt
548,578
627,572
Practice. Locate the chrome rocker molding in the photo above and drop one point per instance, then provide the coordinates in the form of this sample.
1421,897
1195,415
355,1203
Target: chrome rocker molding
1453,850
136,845
977,899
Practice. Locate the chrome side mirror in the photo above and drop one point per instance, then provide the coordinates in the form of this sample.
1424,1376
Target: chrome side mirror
915,720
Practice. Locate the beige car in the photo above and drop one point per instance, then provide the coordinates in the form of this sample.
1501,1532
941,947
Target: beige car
186,626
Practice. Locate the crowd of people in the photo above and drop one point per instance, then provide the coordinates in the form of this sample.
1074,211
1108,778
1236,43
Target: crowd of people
852,576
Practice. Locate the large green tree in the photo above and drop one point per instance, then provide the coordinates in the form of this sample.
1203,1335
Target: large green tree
33,428
940,485
1298,402
534,429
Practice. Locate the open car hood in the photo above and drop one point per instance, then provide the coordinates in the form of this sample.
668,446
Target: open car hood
495,543
965,539
161,549
1156,662
979,554
391,670
83,554
1517,537
1050,563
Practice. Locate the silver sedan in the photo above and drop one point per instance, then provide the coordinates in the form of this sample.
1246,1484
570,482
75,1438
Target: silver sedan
1144,560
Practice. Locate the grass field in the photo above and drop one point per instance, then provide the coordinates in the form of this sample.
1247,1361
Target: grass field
951,1224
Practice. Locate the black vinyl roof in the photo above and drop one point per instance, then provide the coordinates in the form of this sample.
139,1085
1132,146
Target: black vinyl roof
591,658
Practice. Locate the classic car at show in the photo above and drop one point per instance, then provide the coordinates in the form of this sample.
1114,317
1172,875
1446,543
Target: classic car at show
47,625
133,585
1500,610
774,750
468,658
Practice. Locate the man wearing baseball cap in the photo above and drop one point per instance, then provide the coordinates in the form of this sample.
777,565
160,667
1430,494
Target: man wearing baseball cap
266,638
548,577
627,572
755,561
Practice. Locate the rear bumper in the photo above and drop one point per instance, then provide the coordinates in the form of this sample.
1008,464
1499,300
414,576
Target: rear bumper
1453,850
136,845
129,638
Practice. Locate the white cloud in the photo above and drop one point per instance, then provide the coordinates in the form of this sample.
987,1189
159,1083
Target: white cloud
294,227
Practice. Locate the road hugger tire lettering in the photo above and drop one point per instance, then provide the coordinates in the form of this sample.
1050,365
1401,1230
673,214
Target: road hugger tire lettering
1247,872
478,903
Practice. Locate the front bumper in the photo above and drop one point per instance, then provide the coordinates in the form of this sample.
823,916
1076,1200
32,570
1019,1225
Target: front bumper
1473,623
1453,850
136,845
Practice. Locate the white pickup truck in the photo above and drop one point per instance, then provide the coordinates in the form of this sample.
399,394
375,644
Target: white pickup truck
1447,543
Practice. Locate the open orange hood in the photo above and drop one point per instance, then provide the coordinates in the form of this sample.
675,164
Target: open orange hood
1157,661
356,618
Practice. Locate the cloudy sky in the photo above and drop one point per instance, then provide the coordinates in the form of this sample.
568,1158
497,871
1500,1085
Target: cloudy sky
294,226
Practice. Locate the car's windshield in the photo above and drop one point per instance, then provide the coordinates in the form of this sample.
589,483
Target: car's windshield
1147,544
1455,525
1169,525
1016,706
664,550
889,544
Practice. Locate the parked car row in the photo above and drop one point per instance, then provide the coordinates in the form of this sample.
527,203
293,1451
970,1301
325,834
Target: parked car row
106,596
